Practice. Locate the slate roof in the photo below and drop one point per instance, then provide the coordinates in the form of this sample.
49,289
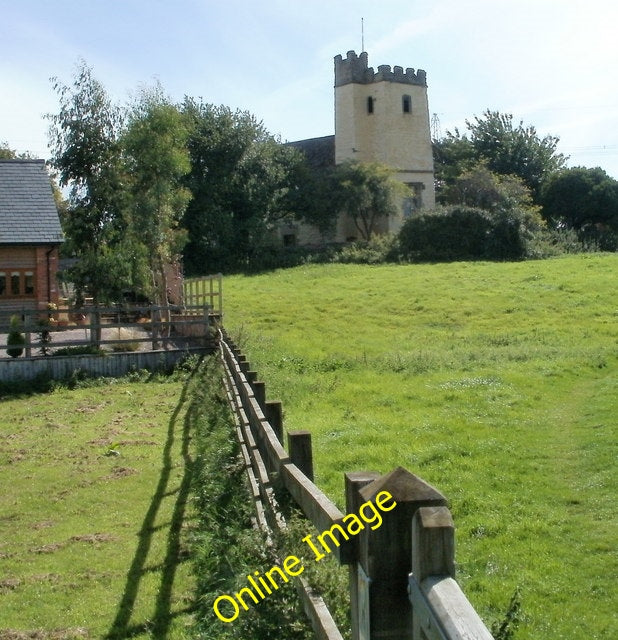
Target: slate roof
320,152
28,213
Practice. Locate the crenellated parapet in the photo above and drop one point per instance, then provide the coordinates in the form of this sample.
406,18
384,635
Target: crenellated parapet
354,69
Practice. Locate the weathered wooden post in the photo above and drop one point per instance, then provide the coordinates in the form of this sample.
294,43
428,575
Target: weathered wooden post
440,609
95,327
433,543
384,557
243,363
354,482
259,391
299,448
207,339
273,410
27,334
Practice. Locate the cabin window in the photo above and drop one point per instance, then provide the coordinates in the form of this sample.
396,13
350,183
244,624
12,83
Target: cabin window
29,283
406,103
370,104
15,283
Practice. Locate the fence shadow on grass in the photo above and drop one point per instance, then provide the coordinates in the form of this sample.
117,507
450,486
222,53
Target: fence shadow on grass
159,625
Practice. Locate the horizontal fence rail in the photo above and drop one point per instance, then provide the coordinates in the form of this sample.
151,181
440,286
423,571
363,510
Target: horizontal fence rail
102,341
117,327
401,574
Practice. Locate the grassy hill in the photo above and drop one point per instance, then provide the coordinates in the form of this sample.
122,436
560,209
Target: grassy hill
496,383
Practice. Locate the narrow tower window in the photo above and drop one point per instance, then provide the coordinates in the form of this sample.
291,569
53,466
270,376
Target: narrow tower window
370,104
406,103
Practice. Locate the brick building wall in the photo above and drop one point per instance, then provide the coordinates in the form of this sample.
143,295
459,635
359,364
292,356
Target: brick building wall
28,277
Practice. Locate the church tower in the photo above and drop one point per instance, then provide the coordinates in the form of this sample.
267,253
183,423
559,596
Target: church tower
383,117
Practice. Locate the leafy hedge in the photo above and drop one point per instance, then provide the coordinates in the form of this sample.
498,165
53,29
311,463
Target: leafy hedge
462,233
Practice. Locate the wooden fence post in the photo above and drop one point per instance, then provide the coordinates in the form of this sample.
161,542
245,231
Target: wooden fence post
206,330
439,607
299,448
354,482
433,543
384,553
95,328
273,410
259,391
27,334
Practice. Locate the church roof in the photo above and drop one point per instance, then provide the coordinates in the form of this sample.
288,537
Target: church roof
28,213
320,152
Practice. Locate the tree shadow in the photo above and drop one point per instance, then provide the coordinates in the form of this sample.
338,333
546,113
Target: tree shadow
163,616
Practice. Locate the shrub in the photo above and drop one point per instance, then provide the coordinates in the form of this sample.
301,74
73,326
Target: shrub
464,233
85,350
15,340
455,233
379,249
226,547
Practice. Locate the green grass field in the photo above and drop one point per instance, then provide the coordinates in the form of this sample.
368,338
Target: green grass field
94,513
496,383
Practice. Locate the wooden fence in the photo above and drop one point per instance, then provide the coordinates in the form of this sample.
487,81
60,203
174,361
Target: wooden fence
401,575
128,334
205,290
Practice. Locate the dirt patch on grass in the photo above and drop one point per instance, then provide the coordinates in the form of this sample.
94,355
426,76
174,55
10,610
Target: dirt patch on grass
9,584
46,577
41,634
101,442
9,517
94,538
106,442
43,525
91,538
91,408
120,472
48,548
18,456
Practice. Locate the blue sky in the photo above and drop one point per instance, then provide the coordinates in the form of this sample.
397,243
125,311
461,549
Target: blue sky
551,63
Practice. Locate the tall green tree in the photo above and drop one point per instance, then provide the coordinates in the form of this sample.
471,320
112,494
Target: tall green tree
241,181
367,192
314,196
480,187
507,148
586,201
86,154
581,197
156,156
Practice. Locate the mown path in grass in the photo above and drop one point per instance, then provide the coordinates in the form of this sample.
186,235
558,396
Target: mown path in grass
497,383
94,512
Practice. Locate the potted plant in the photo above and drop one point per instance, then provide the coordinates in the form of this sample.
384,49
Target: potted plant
16,340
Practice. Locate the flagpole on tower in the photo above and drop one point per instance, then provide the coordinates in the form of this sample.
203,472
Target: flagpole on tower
362,34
